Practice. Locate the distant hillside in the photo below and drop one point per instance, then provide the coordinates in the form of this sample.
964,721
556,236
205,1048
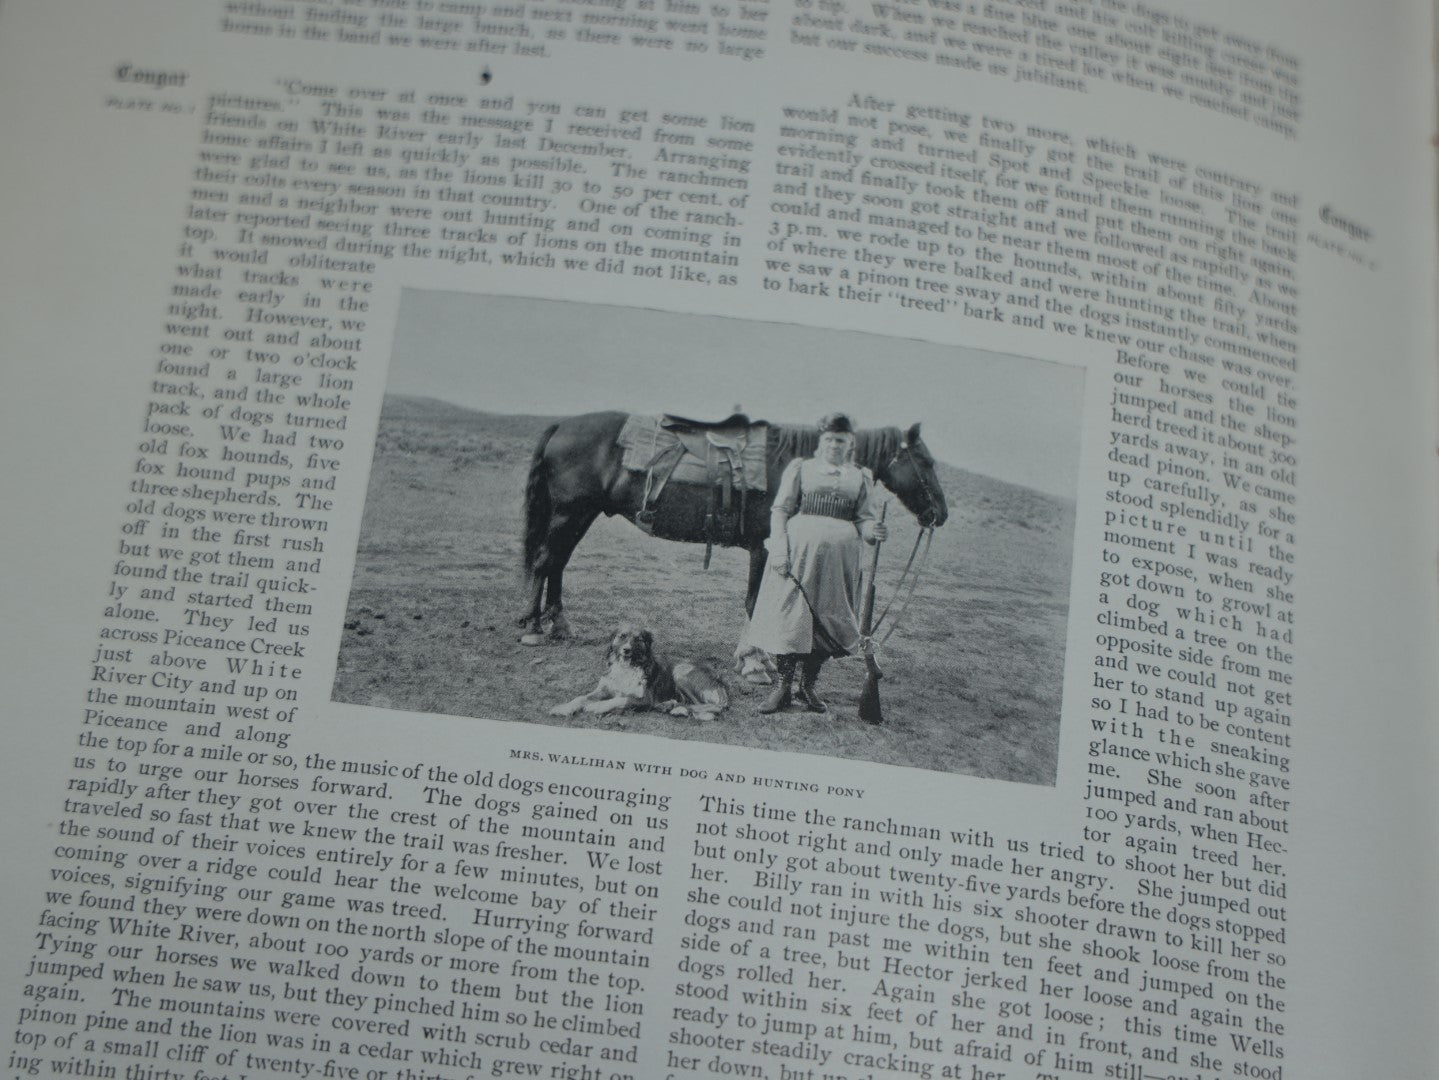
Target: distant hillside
434,411
501,437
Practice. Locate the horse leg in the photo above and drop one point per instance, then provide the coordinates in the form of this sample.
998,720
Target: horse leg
566,532
539,518
536,575
529,622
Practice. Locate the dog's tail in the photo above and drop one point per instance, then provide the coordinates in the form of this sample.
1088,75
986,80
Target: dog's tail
696,685
537,508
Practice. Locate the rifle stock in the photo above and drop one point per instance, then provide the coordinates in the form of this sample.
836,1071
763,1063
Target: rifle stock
869,707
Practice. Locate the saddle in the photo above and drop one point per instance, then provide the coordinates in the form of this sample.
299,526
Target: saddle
724,456
732,424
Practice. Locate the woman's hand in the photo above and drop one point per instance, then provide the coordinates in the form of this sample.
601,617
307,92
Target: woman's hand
877,532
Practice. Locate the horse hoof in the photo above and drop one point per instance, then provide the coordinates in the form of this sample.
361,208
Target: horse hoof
533,639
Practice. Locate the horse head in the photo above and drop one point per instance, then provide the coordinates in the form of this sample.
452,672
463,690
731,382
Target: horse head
909,473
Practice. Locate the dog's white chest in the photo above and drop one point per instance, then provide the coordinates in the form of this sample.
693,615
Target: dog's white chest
625,680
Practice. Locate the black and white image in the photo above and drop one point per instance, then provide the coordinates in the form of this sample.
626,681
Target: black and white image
573,508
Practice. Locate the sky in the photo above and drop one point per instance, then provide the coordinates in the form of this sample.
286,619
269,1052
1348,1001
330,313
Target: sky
1010,417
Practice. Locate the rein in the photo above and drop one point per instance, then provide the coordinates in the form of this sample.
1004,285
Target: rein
816,626
926,533
908,452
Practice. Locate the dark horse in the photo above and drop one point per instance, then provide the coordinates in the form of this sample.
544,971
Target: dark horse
577,473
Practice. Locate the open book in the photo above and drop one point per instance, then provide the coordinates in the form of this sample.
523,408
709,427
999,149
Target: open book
622,539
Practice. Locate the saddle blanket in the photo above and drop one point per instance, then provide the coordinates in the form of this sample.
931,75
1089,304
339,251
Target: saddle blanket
705,452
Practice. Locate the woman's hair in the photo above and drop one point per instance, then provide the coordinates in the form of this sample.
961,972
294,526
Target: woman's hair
836,422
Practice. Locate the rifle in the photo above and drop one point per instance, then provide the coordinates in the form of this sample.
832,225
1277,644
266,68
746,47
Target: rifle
869,710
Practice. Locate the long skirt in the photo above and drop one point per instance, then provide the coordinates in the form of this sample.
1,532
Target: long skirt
825,556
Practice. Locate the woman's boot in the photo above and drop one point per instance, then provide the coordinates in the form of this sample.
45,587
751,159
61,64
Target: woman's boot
810,675
779,695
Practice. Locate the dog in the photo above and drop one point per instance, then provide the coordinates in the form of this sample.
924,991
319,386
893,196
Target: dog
636,679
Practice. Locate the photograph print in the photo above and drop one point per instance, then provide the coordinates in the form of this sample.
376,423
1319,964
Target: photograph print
736,532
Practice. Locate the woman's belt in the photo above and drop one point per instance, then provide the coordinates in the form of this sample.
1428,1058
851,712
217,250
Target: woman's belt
828,504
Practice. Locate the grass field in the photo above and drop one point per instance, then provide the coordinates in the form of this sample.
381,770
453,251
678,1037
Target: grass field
972,679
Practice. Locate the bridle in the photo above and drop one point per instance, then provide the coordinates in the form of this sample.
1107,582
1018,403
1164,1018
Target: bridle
925,535
906,451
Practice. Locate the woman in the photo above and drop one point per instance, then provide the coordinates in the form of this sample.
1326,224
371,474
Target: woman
805,613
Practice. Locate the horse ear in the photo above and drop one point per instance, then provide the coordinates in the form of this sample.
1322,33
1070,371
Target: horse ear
912,435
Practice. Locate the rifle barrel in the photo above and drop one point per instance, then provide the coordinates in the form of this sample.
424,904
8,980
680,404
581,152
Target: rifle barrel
869,707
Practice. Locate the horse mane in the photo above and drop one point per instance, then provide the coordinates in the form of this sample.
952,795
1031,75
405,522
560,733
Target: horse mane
873,447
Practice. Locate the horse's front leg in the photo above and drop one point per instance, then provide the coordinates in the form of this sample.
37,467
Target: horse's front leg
554,614
530,620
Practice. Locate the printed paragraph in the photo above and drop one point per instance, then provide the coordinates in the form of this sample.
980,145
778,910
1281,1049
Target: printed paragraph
523,28
847,942
1072,45
1190,713
936,209
354,171
314,917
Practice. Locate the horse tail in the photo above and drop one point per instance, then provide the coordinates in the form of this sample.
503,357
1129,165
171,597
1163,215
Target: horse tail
538,506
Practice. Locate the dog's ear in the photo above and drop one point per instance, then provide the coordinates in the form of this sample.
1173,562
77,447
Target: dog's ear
648,640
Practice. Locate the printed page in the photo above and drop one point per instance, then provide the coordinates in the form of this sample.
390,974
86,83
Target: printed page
665,538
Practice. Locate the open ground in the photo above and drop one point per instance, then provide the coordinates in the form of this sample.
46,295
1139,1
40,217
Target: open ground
972,678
